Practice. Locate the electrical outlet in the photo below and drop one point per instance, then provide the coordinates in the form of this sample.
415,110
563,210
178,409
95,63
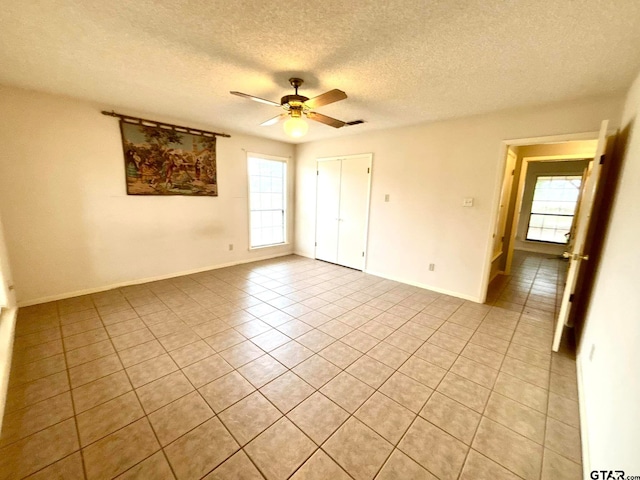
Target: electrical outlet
230,246
432,267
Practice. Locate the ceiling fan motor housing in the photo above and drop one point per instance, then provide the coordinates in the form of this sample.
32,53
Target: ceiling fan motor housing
291,101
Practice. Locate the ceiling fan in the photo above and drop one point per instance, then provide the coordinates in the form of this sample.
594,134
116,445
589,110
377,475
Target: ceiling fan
297,106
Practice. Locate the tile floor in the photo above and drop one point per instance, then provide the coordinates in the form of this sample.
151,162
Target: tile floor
294,368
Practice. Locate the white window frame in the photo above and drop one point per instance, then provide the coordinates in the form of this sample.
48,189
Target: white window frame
285,200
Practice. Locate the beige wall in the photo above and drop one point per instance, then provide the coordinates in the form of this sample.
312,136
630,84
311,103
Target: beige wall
609,358
69,225
428,170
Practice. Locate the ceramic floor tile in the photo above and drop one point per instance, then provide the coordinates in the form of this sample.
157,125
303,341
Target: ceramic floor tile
36,391
180,416
108,417
316,371
509,449
399,466
262,370
320,467
436,355
291,354
563,439
386,417
347,391
370,371
68,468
521,391
315,340
201,450
516,416
100,391
154,467
474,371
557,467
358,450
435,450
151,370
389,355
163,391
207,370
340,354
36,417
36,451
287,391
462,349
241,354
140,353
318,417
225,391
564,409
270,340
452,417
280,450
424,372
406,391
249,417
238,467
478,466
119,451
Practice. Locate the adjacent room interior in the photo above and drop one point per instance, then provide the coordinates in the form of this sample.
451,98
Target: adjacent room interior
425,265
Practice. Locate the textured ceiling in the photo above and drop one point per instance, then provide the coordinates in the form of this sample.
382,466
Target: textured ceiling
400,62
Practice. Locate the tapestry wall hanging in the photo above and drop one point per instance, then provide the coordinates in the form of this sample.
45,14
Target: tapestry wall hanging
161,161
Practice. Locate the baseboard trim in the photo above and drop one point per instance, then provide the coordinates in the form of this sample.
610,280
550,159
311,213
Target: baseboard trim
7,333
89,291
584,435
425,286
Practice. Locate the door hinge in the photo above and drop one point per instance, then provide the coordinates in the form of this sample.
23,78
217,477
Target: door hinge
317,172
363,254
571,297
502,239
513,172
316,244
368,170
601,159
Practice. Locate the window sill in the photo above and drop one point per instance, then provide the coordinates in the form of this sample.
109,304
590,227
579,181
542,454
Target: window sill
261,247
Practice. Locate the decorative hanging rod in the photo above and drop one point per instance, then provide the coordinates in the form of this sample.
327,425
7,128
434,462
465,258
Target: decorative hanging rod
168,126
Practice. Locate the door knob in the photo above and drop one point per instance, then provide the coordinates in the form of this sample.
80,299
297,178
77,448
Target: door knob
575,256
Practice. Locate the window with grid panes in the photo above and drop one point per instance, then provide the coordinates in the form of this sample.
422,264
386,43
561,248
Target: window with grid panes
554,204
267,200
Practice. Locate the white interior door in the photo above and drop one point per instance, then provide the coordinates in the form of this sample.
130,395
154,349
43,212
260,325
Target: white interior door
577,254
354,211
505,196
327,209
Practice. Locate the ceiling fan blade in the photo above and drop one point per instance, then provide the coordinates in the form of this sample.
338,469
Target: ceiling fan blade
332,122
274,120
326,98
255,99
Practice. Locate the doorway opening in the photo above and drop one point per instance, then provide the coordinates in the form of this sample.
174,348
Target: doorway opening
541,188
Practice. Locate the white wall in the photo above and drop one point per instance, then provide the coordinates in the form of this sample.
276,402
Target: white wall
68,222
534,170
428,169
611,380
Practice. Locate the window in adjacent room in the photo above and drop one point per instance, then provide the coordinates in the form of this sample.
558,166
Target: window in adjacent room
267,200
554,204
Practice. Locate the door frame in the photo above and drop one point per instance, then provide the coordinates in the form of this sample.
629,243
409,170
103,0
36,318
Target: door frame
498,182
368,214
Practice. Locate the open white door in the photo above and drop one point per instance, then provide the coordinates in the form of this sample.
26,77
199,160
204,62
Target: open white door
577,255
328,209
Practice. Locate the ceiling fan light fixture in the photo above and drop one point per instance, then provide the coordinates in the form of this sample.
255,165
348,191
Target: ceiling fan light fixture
296,127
